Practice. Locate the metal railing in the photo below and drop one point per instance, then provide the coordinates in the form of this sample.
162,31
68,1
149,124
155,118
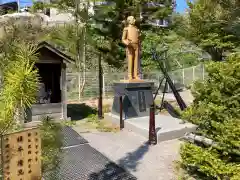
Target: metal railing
186,77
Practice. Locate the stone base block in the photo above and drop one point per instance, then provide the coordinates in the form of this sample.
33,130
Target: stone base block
167,127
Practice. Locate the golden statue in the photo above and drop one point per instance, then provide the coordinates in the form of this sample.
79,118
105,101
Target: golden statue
130,38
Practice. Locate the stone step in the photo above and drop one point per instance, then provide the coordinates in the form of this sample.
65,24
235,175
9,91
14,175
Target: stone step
39,109
56,116
167,127
37,120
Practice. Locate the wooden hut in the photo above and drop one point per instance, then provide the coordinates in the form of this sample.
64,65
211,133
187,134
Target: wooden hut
52,98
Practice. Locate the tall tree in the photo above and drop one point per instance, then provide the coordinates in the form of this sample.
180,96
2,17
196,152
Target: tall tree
79,10
180,53
19,29
211,25
110,18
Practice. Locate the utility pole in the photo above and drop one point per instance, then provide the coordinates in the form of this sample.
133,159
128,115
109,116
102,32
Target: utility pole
100,81
76,13
18,4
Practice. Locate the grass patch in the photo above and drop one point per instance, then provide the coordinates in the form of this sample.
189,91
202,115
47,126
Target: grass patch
69,123
86,119
164,111
92,123
51,134
101,125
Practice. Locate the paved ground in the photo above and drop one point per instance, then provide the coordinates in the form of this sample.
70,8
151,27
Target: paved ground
132,152
80,161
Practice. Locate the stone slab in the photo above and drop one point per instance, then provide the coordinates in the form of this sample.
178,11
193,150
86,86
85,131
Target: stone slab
52,108
55,116
167,127
137,98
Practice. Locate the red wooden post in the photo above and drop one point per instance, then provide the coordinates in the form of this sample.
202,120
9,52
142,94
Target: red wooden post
121,112
152,129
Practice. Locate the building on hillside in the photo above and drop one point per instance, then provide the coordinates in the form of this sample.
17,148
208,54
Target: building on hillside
154,5
50,16
53,16
16,5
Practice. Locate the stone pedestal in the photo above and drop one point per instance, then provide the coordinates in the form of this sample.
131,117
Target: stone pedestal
137,98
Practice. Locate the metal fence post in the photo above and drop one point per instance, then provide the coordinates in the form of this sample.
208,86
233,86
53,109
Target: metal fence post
79,86
203,72
193,71
103,85
183,77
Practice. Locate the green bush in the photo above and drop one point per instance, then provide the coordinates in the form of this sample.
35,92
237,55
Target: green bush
19,86
51,134
216,111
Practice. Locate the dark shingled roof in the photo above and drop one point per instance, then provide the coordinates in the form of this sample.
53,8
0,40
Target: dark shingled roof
56,50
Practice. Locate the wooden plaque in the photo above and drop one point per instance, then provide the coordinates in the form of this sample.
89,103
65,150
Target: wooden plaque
21,155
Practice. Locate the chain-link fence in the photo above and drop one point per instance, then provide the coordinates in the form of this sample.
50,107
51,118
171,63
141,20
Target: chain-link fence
76,92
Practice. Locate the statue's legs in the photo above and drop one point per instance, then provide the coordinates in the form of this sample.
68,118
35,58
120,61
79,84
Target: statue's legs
136,62
130,56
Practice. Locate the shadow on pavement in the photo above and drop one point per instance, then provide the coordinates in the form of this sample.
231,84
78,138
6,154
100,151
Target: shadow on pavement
80,161
112,172
132,159
79,111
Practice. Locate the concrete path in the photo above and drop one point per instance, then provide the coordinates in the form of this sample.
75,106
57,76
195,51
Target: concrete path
133,153
80,161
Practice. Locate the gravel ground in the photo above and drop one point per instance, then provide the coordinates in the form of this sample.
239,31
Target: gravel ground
132,152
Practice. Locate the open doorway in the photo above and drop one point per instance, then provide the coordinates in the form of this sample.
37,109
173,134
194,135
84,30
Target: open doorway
49,89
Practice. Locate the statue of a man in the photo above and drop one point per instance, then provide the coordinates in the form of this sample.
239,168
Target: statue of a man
130,38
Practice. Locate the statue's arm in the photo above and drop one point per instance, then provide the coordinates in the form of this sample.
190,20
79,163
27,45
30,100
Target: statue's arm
140,37
124,36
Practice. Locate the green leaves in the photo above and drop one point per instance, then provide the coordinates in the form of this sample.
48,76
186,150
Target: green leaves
208,162
216,110
212,25
180,52
20,84
51,135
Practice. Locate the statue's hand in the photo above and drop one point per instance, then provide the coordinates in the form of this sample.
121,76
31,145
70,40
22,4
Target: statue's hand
127,42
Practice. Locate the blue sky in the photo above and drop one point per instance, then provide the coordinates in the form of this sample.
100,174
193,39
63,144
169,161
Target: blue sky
181,5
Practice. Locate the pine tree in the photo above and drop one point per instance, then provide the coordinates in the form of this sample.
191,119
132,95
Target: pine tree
108,23
212,25
156,13
110,19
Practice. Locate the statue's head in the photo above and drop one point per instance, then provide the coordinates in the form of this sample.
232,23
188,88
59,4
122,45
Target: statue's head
131,20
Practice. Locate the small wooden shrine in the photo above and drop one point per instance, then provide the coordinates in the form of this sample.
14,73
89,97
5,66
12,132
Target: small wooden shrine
51,97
